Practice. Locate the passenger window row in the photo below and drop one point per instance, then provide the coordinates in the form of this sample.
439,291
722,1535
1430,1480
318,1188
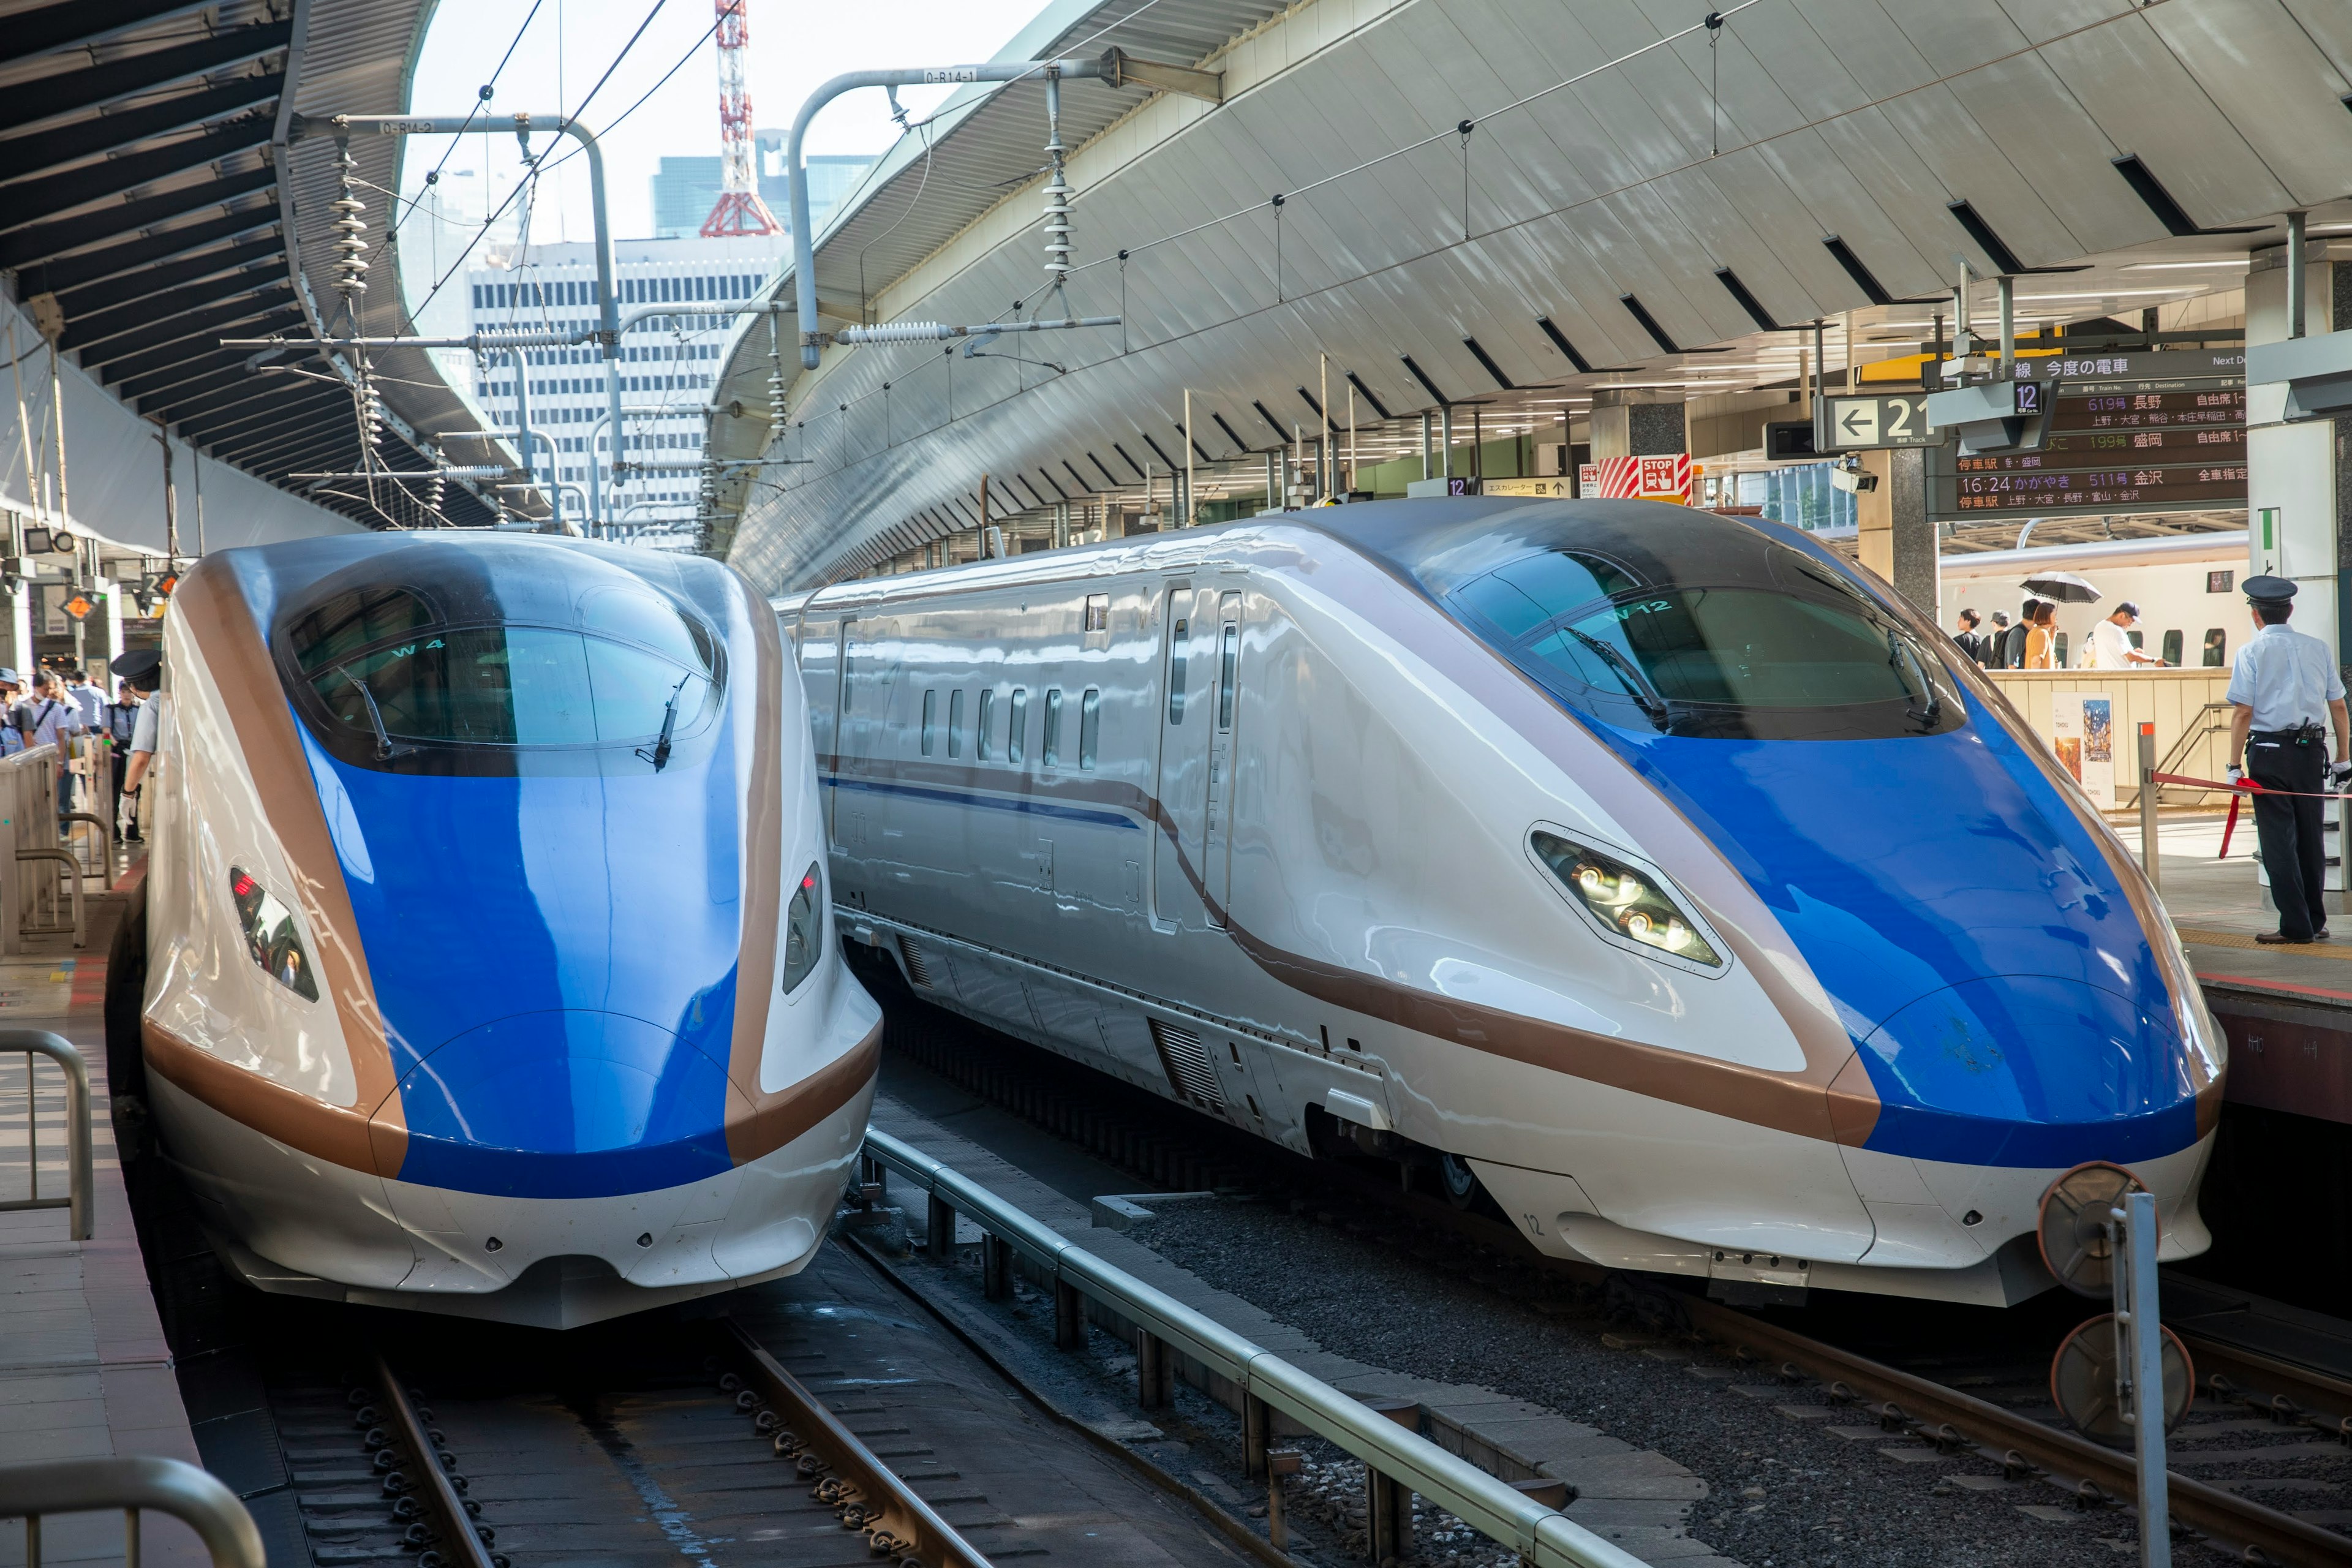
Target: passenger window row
986,744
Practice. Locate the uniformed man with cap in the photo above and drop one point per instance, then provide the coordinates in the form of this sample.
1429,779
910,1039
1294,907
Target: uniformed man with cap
2285,686
141,668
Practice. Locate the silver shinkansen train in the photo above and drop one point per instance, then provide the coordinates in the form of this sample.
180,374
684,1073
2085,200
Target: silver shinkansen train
1654,870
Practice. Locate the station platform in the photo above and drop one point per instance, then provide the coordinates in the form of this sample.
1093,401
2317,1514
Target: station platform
2287,1010
84,1368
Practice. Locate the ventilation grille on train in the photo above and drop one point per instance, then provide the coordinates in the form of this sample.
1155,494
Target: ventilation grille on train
1190,1068
917,969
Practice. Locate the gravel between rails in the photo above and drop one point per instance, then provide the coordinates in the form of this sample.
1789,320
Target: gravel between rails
1782,1492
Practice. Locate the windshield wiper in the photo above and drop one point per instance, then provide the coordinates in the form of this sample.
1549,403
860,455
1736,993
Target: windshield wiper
659,753
385,750
1636,683
1898,652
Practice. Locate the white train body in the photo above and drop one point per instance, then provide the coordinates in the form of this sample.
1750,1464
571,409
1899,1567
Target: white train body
1245,816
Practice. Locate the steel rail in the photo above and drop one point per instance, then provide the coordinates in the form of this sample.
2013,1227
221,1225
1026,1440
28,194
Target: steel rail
2243,1376
1545,1536
897,1523
457,1536
1954,1420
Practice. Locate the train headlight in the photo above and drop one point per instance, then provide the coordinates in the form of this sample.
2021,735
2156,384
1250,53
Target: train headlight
270,936
1629,901
803,928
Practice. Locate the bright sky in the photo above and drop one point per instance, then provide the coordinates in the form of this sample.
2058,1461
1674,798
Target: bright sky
570,42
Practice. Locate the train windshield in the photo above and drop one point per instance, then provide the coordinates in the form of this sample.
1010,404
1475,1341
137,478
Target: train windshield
1685,624
391,671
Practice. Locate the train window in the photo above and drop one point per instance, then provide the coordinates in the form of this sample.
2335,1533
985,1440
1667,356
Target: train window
1016,726
1053,726
1098,612
511,686
1228,670
981,748
270,936
2217,645
1178,658
1089,727
2170,653
1730,662
955,722
350,622
931,719
1528,593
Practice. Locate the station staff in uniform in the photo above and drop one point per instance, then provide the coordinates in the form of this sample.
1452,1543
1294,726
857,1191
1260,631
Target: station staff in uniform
143,671
2284,686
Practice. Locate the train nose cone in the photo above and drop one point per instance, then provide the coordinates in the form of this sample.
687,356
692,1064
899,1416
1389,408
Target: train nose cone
568,1104
2030,1070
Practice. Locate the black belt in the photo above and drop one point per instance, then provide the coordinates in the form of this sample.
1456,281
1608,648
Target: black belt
2302,734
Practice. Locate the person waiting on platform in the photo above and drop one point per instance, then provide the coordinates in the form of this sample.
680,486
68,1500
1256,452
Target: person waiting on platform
2041,635
48,716
1970,641
1994,643
121,723
2012,650
11,690
2111,646
91,699
2281,685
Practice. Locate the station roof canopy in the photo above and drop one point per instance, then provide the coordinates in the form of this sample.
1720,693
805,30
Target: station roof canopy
1510,209
155,188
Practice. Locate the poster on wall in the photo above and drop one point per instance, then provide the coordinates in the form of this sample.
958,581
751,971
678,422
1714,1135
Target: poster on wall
2083,731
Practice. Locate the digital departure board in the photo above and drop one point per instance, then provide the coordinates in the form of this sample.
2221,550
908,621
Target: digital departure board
2107,449
2116,445
2114,489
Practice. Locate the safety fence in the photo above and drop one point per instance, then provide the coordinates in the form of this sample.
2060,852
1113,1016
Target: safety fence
36,1492
80,1177
49,852
1399,1461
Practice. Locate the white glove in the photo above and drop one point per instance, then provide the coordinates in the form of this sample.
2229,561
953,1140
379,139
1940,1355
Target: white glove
2339,773
2237,775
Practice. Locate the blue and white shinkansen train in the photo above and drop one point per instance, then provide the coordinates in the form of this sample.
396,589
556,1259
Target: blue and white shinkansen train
1653,868
490,967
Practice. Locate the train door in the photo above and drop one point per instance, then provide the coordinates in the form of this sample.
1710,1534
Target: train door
1176,838
844,741
1216,856
820,692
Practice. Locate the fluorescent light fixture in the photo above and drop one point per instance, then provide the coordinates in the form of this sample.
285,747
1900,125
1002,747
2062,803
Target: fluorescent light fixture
2181,266
2105,294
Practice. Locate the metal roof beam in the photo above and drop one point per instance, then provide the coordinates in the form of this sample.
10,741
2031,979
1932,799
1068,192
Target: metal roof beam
45,150
217,402
130,367
92,298
59,277
175,326
230,424
286,446
61,26
190,300
188,378
23,202
45,97
88,228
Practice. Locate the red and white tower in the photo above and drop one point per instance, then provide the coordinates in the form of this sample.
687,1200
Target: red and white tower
739,210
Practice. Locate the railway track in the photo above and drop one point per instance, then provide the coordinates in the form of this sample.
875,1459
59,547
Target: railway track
2003,1414
828,1500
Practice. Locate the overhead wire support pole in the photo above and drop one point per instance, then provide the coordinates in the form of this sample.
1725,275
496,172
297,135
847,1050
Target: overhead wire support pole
608,335
804,242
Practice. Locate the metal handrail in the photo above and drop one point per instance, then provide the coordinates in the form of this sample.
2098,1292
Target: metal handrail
68,859
105,838
1544,1536
174,1487
81,1181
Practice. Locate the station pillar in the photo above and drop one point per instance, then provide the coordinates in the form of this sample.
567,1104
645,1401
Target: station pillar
2293,505
1896,540
1637,422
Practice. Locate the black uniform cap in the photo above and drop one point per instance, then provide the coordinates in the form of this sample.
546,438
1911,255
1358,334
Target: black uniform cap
2269,590
141,667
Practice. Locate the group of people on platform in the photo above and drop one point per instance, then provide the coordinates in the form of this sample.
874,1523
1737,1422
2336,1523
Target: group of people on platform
57,704
2033,642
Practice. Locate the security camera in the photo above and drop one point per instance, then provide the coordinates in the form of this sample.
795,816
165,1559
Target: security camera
1847,474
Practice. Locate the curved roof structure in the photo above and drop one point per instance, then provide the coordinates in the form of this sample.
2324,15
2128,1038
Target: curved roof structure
156,183
1480,201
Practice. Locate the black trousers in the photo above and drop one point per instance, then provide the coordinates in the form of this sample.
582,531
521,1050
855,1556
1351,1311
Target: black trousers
2293,832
